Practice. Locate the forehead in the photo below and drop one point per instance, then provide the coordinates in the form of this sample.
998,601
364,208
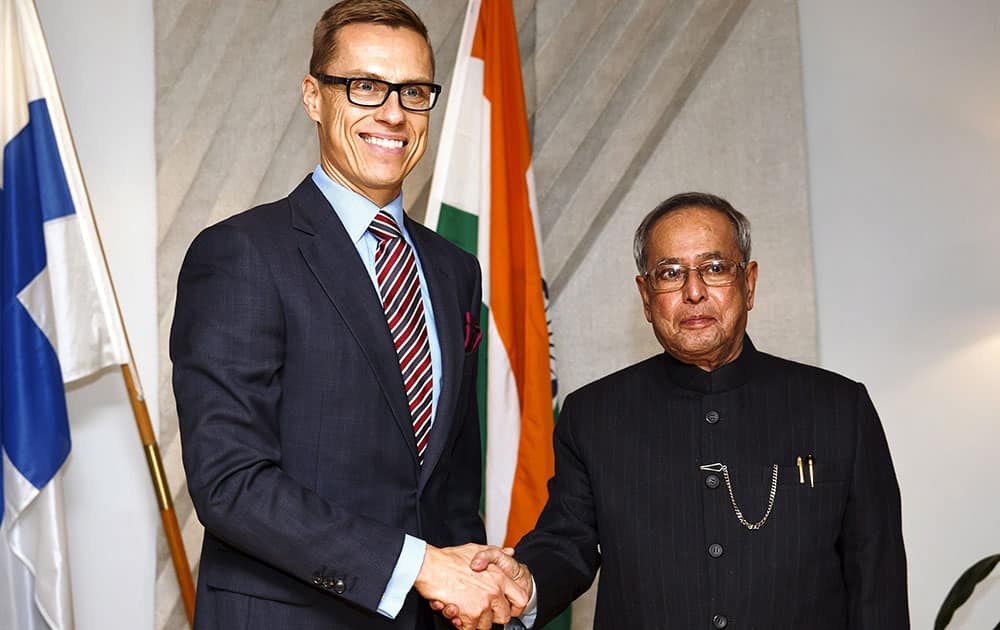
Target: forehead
395,54
690,233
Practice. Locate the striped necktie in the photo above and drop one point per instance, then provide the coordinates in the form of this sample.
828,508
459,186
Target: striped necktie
399,288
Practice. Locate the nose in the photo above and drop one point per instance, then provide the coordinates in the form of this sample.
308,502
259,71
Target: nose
694,288
391,112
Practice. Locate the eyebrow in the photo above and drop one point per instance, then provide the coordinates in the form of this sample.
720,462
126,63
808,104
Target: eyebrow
673,260
364,74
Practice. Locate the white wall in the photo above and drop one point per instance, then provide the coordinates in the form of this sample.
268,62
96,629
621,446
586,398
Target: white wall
102,52
903,126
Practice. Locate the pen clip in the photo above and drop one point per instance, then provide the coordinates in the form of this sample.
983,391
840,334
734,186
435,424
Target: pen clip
716,467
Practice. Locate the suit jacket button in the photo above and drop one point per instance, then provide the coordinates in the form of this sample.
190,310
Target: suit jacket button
720,621
327,583
317,580
715,550
712,481
338,586
712,417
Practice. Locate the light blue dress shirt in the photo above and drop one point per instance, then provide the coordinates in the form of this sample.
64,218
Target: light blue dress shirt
356,213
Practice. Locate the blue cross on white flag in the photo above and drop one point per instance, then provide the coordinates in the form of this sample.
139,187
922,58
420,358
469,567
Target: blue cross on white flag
58,321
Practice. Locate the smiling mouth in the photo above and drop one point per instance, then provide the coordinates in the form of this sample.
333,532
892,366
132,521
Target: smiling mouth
385,143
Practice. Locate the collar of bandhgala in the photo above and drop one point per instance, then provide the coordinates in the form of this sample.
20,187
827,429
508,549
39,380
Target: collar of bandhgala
729,376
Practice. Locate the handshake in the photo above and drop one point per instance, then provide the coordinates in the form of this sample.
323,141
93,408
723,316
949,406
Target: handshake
473,585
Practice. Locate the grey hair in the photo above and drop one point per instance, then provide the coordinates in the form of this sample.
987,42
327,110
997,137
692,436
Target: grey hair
741,224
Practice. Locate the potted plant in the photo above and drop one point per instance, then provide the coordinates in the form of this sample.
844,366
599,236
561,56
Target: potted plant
963,588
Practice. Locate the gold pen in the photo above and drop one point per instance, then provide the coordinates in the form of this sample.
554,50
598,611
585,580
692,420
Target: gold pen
798,462
811,479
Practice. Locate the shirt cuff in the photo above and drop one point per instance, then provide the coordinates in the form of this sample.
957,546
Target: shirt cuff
527,618
411,558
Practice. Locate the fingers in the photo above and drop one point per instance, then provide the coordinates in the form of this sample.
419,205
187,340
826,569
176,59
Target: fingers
512,590
487,618
470,622
515,580
510,595
492,555
450,612
496,608
473,599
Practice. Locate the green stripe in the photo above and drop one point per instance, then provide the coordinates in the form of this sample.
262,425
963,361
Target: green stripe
459,227
562,622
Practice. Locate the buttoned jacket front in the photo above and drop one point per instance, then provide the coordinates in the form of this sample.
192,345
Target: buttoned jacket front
630,452
297,438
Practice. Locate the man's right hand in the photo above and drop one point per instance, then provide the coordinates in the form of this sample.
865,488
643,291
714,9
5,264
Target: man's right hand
492,559
479,598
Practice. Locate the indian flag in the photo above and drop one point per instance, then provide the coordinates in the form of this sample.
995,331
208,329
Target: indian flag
483,199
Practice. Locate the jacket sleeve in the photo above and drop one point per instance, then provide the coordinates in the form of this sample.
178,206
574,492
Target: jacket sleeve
227,344
871,541
562,551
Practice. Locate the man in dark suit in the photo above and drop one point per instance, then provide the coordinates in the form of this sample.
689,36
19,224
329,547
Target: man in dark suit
716,486
324,370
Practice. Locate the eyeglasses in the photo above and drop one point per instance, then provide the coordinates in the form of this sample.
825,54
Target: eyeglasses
365,92
666,277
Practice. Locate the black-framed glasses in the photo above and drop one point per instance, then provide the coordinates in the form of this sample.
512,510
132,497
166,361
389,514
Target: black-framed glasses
666,276
366,92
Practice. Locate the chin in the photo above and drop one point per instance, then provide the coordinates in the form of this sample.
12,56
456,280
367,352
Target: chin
704,338
696,349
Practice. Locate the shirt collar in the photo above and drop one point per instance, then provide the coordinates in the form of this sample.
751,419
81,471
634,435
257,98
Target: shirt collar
724,378
355,211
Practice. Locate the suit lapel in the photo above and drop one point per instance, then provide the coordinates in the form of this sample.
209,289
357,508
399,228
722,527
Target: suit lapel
334,261
447,309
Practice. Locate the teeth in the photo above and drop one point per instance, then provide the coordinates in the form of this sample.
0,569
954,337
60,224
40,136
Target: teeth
384,142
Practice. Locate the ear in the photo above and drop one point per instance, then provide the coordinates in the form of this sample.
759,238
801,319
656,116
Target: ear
311,97
640,282
751,282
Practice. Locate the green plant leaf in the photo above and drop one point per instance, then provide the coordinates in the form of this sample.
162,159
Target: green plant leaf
963,588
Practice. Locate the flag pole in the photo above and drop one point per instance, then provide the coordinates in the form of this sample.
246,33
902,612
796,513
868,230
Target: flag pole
150,447
140,411
163,497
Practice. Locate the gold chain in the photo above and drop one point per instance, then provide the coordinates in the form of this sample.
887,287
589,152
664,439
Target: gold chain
732,498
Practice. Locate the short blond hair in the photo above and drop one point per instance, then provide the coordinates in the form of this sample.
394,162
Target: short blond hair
386,12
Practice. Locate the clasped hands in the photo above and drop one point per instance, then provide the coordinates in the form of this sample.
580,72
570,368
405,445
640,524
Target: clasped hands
474,585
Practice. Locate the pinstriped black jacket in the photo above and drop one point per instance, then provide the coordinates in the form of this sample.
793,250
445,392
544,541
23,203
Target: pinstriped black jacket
630,495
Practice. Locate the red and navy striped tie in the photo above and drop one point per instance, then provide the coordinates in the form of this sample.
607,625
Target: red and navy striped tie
399,287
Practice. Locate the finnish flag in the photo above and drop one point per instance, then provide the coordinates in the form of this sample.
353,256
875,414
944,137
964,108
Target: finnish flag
58,321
